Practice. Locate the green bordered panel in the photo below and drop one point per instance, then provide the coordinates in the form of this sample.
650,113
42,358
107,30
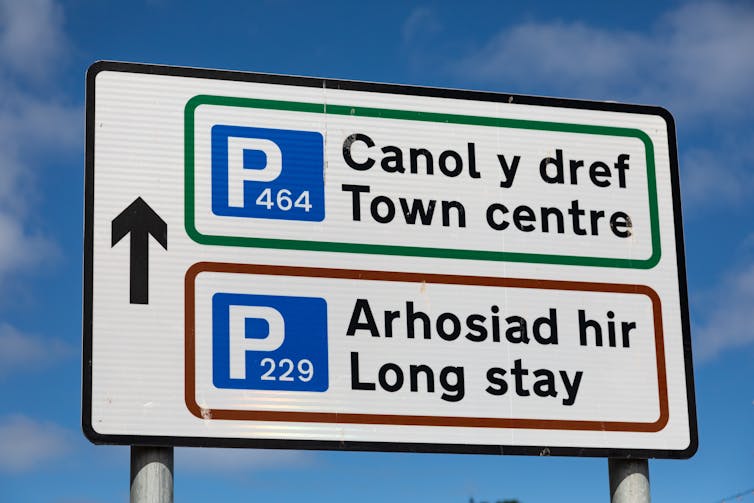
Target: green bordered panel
416,251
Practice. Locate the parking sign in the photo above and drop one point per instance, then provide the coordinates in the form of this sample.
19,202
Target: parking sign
267,173
269,342
326,264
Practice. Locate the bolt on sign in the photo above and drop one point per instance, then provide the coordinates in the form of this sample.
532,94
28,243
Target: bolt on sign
315,263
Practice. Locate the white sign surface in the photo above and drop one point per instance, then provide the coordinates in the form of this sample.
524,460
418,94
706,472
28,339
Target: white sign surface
327,264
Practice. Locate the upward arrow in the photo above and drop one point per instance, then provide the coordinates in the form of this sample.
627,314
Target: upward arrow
140,221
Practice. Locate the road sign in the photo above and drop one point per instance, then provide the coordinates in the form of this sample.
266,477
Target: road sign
347,265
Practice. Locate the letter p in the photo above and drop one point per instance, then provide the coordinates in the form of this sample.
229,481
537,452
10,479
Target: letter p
250,159
242,341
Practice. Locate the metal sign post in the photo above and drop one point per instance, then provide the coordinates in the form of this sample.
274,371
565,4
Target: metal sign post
151,474
629,480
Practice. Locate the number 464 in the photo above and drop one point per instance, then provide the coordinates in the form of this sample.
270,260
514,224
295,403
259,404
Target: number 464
283,200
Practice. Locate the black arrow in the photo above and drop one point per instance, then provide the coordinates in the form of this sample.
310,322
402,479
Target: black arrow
140,220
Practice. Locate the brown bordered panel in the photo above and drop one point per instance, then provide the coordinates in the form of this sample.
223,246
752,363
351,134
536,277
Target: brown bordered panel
416,420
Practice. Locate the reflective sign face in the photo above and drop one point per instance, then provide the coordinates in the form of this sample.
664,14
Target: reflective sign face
337,265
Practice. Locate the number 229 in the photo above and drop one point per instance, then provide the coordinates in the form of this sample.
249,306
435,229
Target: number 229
286,370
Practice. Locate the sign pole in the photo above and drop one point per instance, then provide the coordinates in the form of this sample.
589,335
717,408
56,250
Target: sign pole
629,480
151,474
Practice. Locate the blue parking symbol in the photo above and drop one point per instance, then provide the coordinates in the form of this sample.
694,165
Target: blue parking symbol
269,342
267,173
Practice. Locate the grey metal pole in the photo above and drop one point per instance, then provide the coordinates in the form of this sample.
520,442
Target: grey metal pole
151,474
629,480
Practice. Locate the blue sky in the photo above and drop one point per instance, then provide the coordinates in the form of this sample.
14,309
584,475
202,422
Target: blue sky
692,58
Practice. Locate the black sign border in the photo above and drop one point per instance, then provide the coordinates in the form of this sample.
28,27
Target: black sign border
175,71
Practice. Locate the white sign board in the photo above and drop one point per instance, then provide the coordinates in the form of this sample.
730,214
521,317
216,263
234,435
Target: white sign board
328,264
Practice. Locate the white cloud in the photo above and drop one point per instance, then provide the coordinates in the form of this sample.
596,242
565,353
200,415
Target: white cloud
720,176
32,124
19,351
31,37
561,55
694,60
228,461
420,23
20,248
39,121
708,63
27,443
725,313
